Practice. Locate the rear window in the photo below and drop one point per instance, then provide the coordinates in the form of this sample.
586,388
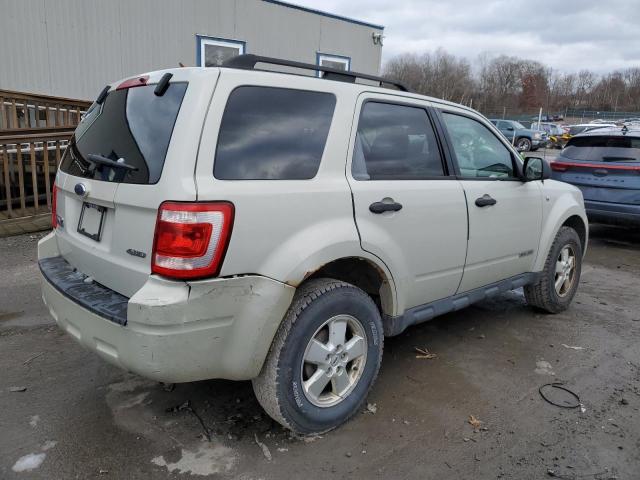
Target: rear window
603,148
395,142
133,126
273,134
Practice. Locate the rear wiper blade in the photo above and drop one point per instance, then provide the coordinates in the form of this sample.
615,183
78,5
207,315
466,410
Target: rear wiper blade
100,160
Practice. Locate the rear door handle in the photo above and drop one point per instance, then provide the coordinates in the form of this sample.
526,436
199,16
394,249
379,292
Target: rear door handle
381,207
485,200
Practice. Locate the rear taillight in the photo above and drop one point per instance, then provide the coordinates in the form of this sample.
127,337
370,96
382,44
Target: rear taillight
191,239
54,207
558,166
564,166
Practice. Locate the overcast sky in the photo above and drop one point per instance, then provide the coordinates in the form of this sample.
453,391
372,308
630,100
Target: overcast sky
568,35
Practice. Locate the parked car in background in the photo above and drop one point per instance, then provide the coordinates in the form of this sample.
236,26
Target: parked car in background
244,224
605,165
548,118
602,121
555,133
524,139
587,127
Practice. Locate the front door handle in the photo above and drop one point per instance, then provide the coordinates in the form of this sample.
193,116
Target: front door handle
485,200
381,207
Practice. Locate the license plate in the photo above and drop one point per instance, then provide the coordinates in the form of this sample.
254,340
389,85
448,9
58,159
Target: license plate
91,220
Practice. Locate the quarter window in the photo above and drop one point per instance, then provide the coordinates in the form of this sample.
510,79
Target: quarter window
478,151
395,142
273,134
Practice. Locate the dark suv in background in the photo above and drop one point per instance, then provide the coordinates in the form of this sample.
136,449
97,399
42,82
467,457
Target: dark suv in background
605,165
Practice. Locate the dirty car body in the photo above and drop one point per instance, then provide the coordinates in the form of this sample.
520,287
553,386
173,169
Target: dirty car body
243,224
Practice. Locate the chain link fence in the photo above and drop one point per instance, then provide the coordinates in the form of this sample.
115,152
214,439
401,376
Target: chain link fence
567,116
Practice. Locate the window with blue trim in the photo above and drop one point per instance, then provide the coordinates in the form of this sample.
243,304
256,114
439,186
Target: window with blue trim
212,51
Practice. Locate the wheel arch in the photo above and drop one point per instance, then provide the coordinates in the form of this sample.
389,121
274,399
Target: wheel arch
578,224
364,273
565,212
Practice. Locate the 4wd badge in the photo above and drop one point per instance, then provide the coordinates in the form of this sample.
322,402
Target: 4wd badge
136,253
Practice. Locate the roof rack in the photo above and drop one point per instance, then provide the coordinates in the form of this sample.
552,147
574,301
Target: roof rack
249,61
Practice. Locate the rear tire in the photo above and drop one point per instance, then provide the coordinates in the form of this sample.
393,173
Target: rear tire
304,356
558,282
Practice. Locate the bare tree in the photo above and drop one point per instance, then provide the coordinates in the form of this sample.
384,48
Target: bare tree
438,74
510,84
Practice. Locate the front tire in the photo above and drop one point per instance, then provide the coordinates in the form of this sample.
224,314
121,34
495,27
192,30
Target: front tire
324,358
558,282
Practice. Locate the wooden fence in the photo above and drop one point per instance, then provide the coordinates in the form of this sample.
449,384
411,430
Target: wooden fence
29,164
34,131
26,110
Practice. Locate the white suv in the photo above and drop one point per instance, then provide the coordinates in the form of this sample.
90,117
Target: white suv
247,224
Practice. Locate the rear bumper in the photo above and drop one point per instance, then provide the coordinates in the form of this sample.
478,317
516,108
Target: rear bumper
612,213
174,331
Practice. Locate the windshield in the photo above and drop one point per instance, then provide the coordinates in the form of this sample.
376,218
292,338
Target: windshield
517,125
603,149
133,126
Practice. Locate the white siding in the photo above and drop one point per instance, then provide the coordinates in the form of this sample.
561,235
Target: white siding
72,48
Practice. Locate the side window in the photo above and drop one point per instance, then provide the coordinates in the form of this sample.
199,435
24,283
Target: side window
271,133
478,151
395,142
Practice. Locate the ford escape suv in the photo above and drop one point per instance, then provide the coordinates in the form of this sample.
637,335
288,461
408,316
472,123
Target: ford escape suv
246,224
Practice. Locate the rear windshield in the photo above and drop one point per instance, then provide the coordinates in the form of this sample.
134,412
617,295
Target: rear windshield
603,149
133,126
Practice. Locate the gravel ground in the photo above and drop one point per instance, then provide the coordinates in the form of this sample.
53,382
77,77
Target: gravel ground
81,418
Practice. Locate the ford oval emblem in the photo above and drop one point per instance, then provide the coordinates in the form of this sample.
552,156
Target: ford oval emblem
80,189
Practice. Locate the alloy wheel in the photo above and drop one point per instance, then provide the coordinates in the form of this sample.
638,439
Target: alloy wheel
334,361
565,270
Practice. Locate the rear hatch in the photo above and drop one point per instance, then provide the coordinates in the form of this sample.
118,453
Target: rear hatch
605,167
134,149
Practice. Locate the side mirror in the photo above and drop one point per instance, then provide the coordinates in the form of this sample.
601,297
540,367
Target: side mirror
510,129
536,168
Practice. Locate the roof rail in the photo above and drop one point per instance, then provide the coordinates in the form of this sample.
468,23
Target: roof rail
249,61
